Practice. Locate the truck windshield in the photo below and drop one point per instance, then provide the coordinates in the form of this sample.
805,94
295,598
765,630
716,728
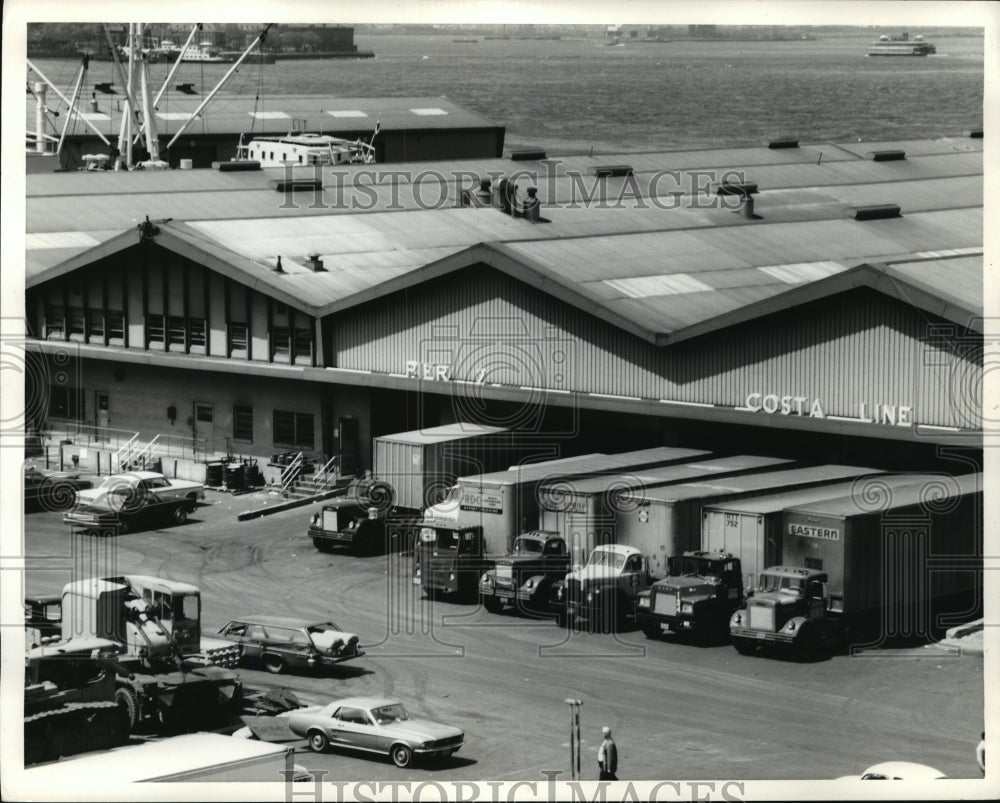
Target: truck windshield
601,558
527,546
448,539
773,583
189,607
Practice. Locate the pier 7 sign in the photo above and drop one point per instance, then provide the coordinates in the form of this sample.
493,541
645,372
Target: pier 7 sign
899,415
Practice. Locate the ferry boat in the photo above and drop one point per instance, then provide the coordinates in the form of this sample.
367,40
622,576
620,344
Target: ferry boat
901,45
304,149
204,52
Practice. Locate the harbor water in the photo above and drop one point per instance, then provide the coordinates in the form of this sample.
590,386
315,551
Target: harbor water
574,95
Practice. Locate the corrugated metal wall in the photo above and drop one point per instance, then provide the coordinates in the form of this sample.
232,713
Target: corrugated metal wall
848,349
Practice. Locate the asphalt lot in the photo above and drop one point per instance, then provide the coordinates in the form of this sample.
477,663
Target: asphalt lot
678,711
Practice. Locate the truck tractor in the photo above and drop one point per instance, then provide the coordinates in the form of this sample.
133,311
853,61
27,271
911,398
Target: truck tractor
524,578
363,522
70,707
697,597
450,560
602,593
151,629
788,609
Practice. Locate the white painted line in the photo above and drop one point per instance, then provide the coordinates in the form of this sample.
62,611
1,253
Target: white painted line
691,404
614,396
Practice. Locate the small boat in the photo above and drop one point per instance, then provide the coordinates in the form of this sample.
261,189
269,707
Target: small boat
205,52
900,45
297,148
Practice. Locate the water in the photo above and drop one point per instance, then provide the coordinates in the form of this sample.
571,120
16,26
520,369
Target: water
574,95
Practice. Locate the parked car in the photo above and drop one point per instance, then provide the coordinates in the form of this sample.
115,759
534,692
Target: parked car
376,725
126,508
51,490
896,771
278,643
143,483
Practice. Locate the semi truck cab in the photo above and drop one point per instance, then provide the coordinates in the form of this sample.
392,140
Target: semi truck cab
789,608
603,592
698,596
449,560
523,578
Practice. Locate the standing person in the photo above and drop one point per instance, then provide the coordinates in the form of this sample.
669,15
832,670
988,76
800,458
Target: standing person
607,756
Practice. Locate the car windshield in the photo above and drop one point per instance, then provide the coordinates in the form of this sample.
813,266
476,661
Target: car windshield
387,714
773,583
525,546
600,557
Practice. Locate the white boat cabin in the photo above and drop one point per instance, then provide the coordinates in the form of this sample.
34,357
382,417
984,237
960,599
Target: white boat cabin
305,149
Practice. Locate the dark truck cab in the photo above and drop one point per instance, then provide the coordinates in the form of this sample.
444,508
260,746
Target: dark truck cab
524,577
450,560
698,596
359,522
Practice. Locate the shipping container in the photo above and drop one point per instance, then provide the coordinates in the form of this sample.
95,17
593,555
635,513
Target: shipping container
751,528
505,503
667,521
907,545
423,464
583,511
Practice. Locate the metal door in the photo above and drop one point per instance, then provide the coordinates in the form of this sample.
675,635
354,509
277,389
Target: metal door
347,447
102,404
204,425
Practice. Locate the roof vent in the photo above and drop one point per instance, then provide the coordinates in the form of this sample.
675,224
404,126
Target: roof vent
734,188
237,166
874,212
527,155
613,170
481,197
976,133
774,144
315,263
277,268
295,184
885,156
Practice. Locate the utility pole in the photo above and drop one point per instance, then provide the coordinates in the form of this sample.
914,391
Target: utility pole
574,737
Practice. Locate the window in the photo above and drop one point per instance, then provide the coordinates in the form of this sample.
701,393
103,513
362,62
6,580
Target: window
154,329
76,321
116,324
243,423
303,343
280,341
294,429
65,402
96,324
176,330
237,337
196,327
55,320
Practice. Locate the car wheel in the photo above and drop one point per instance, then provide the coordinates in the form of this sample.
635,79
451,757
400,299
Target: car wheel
744,646
180,515
128,704
273,664
123,527
492,604
401,755
318,742
651,631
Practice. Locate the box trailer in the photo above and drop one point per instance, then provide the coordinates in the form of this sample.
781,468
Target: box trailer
584,511
422,465
505,503
751,528
873,566
191,758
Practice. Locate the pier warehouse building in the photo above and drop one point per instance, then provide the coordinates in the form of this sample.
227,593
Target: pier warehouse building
818,301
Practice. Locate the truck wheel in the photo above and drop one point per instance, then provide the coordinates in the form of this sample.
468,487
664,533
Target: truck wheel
744,646
807,645
492,604
651,631
318,742
321,545
401,755
180,515
123,527
128,704
561,618
273,664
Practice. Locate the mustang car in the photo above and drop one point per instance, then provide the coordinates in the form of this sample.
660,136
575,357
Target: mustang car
376,725
278,643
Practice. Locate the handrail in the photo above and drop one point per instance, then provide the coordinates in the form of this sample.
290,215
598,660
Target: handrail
322,477
145,454
124,453
291,472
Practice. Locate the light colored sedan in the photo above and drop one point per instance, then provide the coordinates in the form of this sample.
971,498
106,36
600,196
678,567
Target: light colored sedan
376,725
896,771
